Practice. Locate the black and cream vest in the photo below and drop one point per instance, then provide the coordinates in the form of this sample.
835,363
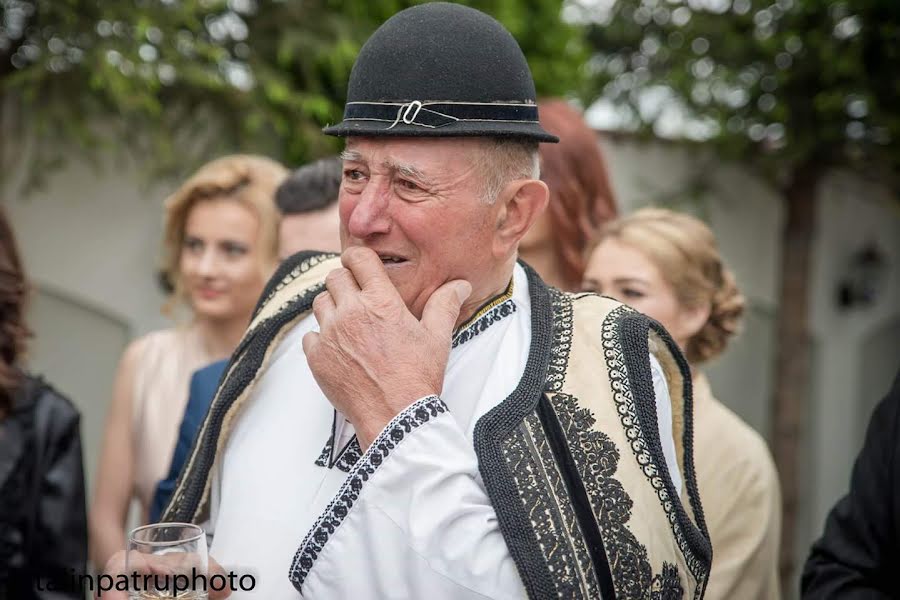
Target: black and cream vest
571,460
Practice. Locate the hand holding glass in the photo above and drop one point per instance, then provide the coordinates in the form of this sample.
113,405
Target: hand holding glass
167,560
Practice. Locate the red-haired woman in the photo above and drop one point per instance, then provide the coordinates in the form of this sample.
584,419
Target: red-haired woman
581,198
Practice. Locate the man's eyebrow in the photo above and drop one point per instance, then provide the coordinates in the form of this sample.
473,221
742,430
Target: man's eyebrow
351,155
407,170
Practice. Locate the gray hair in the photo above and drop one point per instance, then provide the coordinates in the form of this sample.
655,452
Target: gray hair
503,160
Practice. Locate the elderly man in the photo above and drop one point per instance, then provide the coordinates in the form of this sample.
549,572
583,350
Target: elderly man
422,417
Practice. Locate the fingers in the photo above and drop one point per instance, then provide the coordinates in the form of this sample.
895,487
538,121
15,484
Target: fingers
310,341
117,562
216,569
324,308
367,269
442,309
341,284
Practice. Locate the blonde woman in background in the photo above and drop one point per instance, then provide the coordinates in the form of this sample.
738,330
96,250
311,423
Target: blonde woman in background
667,265
220,247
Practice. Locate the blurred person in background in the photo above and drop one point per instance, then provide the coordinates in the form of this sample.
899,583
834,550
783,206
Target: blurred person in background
309,209
859,551
307,200
667,266
43,527
220,247
581,198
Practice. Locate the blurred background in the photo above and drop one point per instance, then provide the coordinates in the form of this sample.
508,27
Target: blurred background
778,123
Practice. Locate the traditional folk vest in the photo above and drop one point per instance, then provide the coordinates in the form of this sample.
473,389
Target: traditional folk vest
571,460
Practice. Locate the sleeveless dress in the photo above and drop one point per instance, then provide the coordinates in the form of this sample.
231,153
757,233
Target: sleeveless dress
167,359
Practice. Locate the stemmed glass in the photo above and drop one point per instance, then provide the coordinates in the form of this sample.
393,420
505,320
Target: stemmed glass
167,560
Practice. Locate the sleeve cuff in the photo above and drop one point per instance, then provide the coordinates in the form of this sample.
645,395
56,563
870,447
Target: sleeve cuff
395,432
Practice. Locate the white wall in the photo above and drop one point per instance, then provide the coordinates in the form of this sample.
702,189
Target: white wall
95,236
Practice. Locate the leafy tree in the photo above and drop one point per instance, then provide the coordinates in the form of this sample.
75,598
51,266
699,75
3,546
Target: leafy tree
177,81
793,88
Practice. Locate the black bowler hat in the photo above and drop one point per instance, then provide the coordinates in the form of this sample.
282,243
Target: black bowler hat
441,70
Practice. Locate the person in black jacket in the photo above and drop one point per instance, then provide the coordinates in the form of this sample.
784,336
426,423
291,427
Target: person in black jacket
43,525
859,552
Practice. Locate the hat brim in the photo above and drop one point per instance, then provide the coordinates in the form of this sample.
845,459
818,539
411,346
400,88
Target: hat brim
507,130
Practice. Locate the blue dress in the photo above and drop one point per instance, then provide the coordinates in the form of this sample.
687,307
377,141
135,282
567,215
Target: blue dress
204,383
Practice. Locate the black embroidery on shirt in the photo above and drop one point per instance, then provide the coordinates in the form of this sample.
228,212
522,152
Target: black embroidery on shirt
412,417
345,459
494,315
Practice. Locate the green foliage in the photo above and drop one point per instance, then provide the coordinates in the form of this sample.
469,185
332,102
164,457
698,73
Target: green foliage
783,84
178,81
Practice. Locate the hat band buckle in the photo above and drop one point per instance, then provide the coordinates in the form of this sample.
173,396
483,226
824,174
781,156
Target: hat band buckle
403,113
415,104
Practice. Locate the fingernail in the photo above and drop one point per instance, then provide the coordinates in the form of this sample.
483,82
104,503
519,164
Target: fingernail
463,290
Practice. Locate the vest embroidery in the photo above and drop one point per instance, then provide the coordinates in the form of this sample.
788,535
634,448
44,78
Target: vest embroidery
534,468
622,395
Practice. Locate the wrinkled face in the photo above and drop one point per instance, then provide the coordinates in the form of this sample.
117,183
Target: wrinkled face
415,201
623,272
316,230
220,259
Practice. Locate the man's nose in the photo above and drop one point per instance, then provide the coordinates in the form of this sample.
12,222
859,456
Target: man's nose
370,214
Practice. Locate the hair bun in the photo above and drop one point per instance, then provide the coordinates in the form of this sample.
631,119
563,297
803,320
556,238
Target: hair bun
725,320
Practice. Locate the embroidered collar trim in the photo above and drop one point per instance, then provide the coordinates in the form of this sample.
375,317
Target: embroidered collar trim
490,312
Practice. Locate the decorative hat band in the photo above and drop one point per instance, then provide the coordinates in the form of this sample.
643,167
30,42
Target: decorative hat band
434,114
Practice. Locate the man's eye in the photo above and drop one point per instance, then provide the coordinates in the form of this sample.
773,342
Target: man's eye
410,185
353,174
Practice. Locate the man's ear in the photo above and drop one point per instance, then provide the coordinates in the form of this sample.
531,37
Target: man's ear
520,204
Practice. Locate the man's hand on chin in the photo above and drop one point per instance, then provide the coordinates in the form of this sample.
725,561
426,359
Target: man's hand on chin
372,357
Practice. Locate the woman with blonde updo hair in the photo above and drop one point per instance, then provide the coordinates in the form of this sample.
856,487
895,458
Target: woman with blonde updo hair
220,247
667,265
